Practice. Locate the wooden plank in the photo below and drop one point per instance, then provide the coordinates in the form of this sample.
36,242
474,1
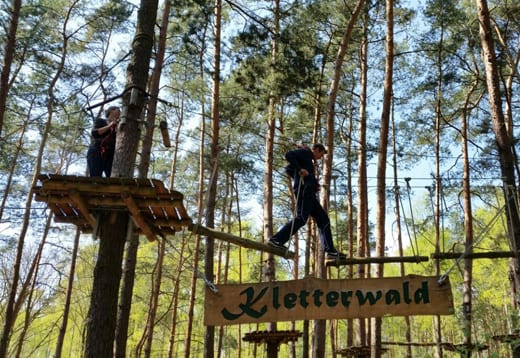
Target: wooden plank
172,222
250,244
76,220
95,202
164,230
170,212
155,211
136,216
312,298
475,255
62,209
53,187
375,260
181,211
82,207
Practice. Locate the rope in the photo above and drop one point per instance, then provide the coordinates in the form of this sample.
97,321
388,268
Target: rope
408,189
295,208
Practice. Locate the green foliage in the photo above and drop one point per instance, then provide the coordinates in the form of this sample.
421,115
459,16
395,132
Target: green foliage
437,60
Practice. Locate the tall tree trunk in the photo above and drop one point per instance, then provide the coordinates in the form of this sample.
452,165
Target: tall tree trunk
381,164
127,285
320,325
468,230
224,248
28,287
200,208
397,211
175,298
438,180
504,146
10,313
102,315
154,298
68,297
9,51
270,268
209,336
155,84
362,202
12,168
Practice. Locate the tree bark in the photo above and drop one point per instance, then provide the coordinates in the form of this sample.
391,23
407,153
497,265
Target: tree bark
101,320
209,335
362,202
270,267
9,51
504,145
468,229
127,285
10,312
382,162
102,316
154,300
200,209
68,297
320,325
397,209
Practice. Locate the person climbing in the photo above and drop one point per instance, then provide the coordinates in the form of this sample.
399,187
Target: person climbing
306,186
100,153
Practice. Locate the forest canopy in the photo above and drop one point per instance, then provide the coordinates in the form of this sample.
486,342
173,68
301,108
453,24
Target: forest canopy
415,101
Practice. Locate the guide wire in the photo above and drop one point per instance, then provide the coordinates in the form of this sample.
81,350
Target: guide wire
408,190
480,237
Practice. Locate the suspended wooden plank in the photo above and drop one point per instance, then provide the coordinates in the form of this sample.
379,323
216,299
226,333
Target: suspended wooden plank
464,349
277,337
513,338
357,351
250,244
475,255
375,260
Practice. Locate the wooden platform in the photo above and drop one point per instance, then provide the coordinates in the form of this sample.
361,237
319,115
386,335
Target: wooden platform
77,199
374,260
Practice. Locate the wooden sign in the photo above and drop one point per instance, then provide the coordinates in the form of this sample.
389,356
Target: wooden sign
313,298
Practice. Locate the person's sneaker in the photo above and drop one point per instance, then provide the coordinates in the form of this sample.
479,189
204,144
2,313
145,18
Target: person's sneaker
335,255
276,244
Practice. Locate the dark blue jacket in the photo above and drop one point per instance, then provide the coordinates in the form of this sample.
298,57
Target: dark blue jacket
298,159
